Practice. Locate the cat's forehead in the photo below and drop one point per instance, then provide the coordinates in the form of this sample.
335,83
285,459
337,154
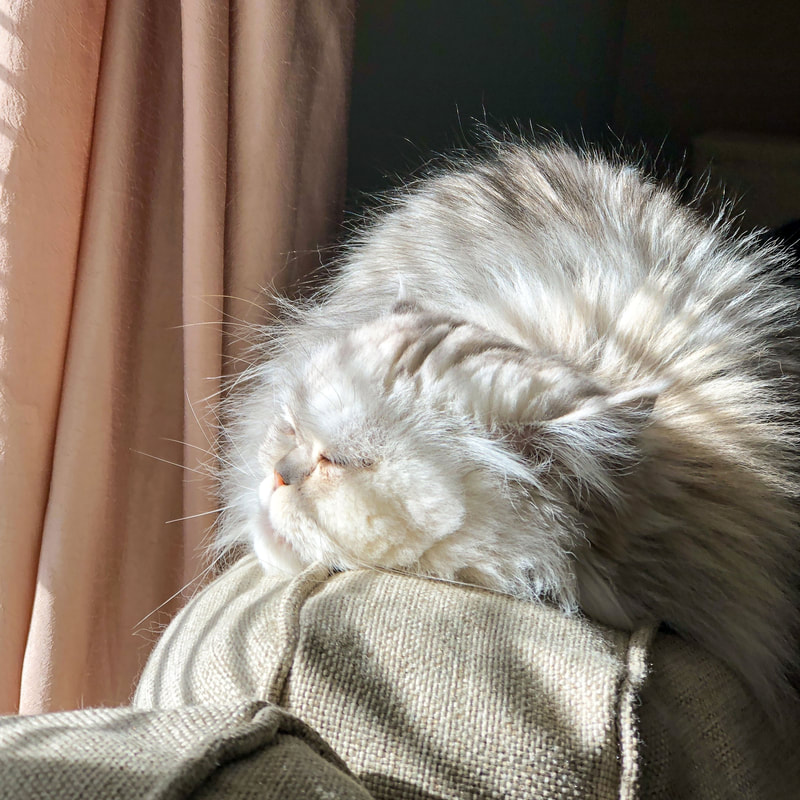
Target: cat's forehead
333,392
348,380
363,354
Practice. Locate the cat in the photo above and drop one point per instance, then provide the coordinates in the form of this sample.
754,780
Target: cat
538,372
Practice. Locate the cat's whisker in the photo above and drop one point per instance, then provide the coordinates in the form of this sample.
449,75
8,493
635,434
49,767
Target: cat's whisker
182,325
199,577
188,444
234,384
240,360
225,326
248,470
171,463
415,573
231,318
258,306
220,391
246,333
200,514
210,453
200,426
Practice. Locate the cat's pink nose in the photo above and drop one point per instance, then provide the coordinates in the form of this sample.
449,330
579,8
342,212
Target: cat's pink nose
277,480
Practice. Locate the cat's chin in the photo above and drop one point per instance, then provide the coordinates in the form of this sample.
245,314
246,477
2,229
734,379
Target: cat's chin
273,552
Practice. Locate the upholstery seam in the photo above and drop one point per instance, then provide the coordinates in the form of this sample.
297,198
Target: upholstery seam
637,668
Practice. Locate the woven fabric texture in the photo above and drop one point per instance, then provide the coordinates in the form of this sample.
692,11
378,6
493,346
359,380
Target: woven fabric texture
431,690
249,750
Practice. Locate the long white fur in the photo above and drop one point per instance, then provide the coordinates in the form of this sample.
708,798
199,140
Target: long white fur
585,394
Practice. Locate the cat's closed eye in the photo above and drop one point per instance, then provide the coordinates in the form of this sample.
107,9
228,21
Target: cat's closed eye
336,460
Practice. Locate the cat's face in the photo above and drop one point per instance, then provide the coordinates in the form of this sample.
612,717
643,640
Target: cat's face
378,451
358,468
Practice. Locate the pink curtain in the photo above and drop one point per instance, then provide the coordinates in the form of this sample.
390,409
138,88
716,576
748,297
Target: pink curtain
160,162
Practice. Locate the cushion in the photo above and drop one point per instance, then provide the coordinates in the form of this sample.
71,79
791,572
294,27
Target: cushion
428,689
242,751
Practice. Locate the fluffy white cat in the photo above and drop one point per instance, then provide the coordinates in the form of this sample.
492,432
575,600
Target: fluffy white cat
538,373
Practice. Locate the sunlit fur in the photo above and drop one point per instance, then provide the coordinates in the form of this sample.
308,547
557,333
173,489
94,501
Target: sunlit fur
539,373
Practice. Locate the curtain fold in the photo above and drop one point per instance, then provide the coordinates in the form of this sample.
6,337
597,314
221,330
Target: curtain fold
161,162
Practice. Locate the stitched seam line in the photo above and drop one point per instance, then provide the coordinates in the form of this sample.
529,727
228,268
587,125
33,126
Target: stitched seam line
628,735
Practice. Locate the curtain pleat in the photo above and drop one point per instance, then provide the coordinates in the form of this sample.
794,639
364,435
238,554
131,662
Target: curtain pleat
206,49
163,161
45,137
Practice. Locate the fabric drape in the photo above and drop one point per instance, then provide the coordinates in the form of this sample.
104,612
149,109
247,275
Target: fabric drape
161,162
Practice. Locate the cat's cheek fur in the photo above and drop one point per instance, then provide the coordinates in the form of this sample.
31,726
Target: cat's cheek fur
293,526
430,496
317,519
391,516
273,550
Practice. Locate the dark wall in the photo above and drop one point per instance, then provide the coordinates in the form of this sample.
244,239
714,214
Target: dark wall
693,66
655,72
424,70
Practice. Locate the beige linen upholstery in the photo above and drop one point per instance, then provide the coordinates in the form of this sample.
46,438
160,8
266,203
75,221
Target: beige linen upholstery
244,751
433,690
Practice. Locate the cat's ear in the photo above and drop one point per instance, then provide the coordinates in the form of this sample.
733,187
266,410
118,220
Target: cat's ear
591,446
512,387
609,422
